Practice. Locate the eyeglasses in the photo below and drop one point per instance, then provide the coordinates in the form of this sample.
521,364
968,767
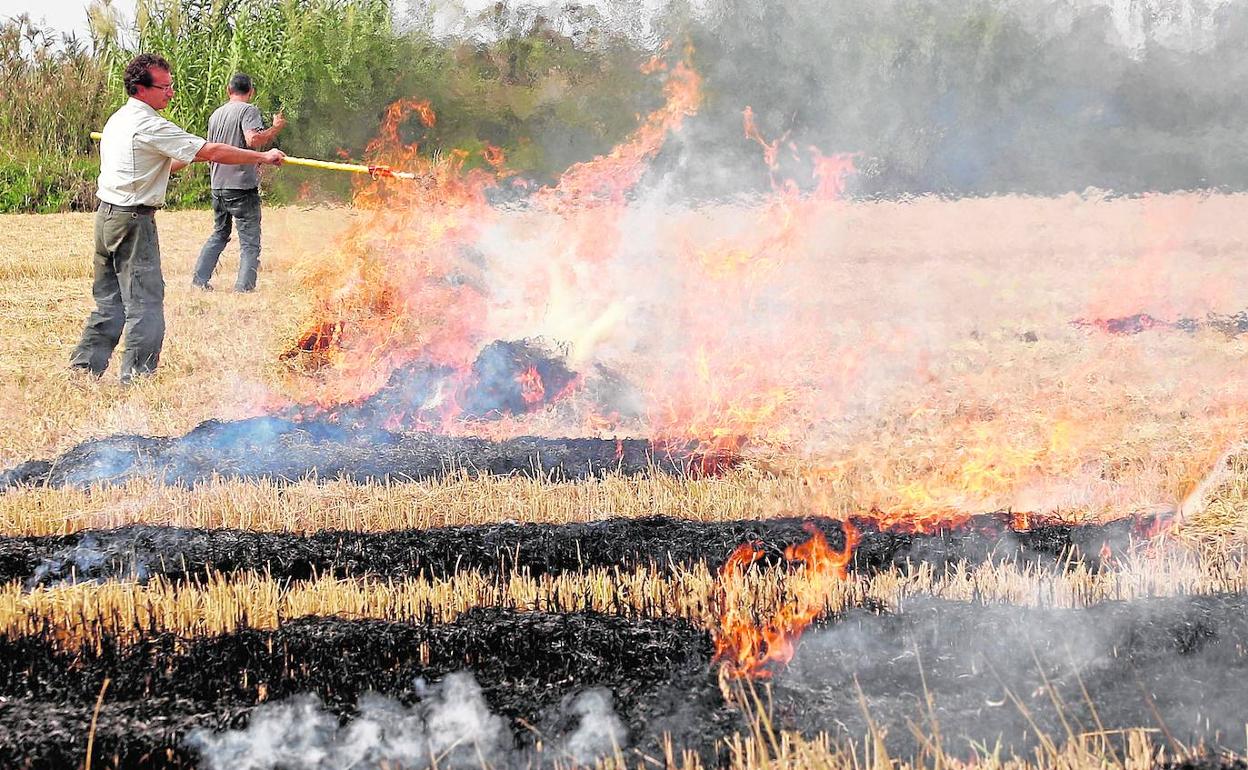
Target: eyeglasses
167,87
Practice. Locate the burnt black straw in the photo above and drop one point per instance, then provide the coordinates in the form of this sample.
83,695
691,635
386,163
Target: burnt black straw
142,552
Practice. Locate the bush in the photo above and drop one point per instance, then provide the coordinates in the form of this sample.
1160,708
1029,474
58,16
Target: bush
47,183
332,66
52,89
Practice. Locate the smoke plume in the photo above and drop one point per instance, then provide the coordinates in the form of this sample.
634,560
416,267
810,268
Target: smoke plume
452,726
955,97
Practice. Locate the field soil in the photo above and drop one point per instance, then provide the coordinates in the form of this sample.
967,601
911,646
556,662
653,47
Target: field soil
659,543
965,675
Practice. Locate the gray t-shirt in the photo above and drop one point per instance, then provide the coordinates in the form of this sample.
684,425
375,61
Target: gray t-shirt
226,126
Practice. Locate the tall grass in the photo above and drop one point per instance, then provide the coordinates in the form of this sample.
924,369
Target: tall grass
332,66
52,87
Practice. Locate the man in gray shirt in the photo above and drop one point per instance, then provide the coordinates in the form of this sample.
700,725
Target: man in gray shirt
236,189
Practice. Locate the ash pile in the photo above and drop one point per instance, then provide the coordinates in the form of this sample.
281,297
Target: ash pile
1231,325
386,437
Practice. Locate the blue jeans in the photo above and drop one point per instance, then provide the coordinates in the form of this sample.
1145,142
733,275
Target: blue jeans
228,207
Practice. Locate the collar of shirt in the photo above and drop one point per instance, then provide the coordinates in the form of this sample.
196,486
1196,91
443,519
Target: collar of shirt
143,107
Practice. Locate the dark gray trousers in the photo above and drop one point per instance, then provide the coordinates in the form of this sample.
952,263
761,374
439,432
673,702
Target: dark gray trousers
129,292
228,207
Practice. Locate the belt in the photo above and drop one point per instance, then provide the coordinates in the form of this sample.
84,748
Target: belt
113,208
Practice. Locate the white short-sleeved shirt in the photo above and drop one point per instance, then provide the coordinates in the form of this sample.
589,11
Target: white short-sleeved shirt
136,152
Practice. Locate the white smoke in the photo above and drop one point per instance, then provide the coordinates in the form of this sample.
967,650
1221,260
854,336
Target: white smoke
130,553
640,22
599,732
1178,25
451,727
1003,676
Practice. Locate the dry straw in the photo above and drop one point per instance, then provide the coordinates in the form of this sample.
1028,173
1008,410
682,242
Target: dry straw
84,613
1011,408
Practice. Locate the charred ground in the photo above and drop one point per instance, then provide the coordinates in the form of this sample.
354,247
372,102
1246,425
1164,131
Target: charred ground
395,434
656,671
284,450
991,673
664,543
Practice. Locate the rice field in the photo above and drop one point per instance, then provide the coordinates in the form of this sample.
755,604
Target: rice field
989,399
1002,405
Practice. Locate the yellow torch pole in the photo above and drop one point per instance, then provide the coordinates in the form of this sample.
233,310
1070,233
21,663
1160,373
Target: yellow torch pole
353,168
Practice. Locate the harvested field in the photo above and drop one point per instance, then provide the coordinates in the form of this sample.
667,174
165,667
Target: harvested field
83,613
979,417
971,672
1028,481
659,543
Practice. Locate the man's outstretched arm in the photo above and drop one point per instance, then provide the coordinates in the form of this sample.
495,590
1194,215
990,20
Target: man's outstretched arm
231,155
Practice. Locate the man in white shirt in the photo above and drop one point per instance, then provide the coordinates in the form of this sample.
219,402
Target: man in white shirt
138,151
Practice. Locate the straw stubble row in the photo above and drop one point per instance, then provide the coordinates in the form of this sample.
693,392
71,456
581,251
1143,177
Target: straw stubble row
84,614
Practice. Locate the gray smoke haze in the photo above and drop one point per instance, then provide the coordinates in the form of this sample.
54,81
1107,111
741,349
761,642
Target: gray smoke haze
451,727
1182,25
1004,675
599,731
101,557
954,97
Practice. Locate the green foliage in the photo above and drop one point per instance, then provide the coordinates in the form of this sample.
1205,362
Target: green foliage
190,188
47,183
546,102
332,67
51,89
329,65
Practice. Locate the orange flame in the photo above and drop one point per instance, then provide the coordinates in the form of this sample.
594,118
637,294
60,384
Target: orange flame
396,289
402,286
789,326
750,650
789,321
496,158
531,388
771,149
736,388
607,178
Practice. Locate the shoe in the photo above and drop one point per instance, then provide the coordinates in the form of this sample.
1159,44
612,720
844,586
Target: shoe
204,286
238,290
83,371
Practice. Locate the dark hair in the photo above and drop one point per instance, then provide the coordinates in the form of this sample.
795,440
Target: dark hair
139,71
240,83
